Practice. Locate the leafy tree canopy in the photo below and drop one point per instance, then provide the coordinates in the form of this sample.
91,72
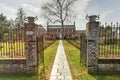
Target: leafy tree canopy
4,25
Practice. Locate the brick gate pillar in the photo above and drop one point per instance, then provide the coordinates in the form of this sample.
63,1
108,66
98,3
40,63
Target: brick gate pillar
30,42
92,32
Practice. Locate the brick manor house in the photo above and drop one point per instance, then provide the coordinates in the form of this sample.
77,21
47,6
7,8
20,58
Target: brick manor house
55,31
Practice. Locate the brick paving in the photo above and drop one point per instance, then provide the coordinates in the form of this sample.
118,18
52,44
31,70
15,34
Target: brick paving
60,69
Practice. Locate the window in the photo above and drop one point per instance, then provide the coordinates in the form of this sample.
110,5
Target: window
65,30
58,30
68,30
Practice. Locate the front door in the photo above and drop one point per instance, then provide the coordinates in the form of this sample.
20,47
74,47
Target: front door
60,35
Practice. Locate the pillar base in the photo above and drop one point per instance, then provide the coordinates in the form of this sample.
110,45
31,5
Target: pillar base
92,70
32,70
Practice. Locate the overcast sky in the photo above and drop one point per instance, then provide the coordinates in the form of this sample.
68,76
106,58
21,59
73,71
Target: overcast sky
109,10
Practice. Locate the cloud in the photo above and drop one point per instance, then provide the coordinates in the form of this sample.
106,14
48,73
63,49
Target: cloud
83,4
79,9
34,11
7,8
30,8
105,14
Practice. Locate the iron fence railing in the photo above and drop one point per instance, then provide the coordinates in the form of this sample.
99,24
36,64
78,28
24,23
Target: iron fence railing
83,49
12,43
109,41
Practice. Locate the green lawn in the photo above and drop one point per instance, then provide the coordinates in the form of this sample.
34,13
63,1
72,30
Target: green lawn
78,70
49,55
18,77
48,42
75,43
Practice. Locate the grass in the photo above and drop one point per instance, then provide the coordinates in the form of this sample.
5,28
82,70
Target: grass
9,47
78,70
18,77
114,48
49,55
75,43
109,51
47,42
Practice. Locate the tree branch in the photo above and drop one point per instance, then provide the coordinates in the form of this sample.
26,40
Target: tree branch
49,10
68,4
58,10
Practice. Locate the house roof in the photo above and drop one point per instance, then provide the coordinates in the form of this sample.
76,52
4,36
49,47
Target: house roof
60,26
41,27
80,31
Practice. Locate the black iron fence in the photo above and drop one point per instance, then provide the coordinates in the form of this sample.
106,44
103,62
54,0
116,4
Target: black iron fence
40,57
83,49
75,43
109,41
12,43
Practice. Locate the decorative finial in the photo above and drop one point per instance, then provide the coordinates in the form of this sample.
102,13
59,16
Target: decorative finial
92,18
31,19
87,17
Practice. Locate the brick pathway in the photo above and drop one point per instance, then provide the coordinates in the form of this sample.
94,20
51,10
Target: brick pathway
60,70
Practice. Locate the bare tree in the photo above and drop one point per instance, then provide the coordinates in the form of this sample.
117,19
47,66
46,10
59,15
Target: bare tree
58,11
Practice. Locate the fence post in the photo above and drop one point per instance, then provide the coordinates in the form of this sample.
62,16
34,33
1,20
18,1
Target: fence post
30,44
92,32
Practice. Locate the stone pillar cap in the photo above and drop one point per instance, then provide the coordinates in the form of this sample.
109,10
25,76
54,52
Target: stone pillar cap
31,19
92,18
